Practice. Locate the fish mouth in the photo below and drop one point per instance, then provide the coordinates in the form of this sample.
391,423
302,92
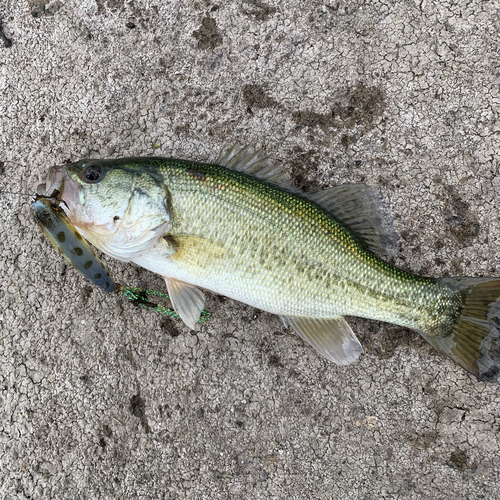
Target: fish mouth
54,184
60,188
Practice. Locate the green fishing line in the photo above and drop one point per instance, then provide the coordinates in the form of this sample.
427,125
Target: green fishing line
140,297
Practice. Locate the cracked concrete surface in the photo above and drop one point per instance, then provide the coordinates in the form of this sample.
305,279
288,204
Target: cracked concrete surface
101,400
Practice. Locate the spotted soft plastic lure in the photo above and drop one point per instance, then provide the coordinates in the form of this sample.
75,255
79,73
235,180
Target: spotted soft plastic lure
65,237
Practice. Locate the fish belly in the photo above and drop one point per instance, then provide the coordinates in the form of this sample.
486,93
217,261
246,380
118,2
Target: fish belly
281,294
258,289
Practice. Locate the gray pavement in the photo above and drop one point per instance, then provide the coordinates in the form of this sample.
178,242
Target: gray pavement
102,400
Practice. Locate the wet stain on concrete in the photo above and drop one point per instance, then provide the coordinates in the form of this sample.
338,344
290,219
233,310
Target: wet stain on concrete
312,119
462,224
458,459
274,360
360,105
208,35
86,293
41,8
138,409
7,43
383,340
365,104
257,10
169,326
303,166
102,5
256,97
423,441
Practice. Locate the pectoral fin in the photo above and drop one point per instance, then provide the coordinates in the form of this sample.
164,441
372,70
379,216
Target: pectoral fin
332,338
195,253
188,301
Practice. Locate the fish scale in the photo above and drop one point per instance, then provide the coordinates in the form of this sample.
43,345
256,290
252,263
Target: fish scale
313,262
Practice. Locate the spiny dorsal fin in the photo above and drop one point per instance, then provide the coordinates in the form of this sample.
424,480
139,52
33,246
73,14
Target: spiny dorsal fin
362,210
332,338
252,161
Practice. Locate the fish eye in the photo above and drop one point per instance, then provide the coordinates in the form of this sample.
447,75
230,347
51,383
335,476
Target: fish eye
91,174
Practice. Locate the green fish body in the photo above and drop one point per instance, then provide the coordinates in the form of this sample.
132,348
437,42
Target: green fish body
236,228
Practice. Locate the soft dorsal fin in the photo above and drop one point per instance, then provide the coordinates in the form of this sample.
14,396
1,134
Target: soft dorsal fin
188,301
252,161
357,206
332,338
362,210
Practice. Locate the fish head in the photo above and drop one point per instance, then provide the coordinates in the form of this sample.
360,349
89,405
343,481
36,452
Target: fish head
121,208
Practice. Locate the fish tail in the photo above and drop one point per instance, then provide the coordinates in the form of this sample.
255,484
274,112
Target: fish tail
470,334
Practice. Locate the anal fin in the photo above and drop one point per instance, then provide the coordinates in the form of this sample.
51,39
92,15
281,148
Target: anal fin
187,300
332,338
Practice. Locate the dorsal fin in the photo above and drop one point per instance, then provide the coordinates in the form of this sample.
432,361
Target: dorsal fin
252,161
357,206
362,210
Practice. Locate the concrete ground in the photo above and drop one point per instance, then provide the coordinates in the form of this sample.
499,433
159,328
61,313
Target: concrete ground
103,400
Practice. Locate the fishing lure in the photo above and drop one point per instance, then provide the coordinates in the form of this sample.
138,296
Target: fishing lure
64,236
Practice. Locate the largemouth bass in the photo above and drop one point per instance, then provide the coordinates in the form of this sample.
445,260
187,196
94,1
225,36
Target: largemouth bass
239,229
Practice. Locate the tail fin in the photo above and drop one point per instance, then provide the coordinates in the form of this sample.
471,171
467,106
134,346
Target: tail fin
472,338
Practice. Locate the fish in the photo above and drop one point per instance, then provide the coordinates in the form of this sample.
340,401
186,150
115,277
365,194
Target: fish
56,226
238,227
